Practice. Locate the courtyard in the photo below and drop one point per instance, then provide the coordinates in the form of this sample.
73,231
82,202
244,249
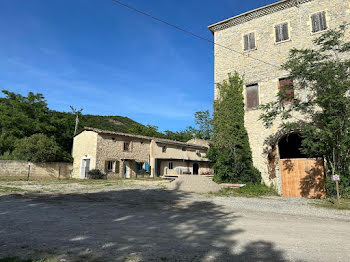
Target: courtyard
141,220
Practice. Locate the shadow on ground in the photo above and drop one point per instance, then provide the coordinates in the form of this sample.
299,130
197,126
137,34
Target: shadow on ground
124,225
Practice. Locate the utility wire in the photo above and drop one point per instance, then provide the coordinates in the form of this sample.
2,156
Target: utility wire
190,33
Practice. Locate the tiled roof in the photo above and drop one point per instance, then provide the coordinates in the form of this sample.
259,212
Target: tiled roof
259,12
157,140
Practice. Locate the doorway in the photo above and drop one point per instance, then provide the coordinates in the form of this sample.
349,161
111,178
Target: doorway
126,169
195,168
85,168
301,176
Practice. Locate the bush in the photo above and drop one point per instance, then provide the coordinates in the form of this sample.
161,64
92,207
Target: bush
96,174
39,148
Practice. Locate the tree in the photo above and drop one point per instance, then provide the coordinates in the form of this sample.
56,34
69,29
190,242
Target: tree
39,148
231,151
204,121
148,130
320,109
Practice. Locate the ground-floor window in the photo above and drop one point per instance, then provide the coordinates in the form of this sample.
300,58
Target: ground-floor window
139,166
170,165
112,166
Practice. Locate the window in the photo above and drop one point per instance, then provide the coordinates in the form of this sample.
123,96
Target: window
282,33
170,165
318,21
109,165
126,146
164,149
183,148
249,41
139,166
286,90
252,92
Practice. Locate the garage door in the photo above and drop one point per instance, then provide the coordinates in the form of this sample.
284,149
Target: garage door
303,177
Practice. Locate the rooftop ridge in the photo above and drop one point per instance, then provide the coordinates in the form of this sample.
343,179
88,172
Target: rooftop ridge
156,139
255,13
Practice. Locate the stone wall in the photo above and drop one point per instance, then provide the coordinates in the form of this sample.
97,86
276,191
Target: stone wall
265,75
12,168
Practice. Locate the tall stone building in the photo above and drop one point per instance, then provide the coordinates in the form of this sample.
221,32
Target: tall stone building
264,36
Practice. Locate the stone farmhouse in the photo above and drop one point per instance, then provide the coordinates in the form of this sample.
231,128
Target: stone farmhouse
123,155
267,34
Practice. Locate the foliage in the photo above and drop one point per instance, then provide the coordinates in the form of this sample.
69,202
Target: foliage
331,203
148,130
96,174
321,106
204,121
182,136
231,152
39,148
249,190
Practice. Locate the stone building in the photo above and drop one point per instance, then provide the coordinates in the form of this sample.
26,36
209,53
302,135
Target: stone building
125,155
264,37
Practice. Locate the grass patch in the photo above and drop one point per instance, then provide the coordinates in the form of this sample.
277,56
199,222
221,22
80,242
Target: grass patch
332,203
250,190
7,189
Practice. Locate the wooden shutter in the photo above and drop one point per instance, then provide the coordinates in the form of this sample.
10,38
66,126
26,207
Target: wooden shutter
287,89
251,41
319,22
252,93
285,34
246,42
278,33
315,23
323,23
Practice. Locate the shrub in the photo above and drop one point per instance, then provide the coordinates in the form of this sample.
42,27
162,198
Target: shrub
96,174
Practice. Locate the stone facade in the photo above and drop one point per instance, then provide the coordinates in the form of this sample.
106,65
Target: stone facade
124,156
229,33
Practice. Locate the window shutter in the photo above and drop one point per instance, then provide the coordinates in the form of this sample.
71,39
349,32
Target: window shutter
246,43
285,34
251,41
288,90
315,23
323,23
278,33
252,92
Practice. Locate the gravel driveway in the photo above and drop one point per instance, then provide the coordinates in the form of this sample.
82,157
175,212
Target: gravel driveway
147,223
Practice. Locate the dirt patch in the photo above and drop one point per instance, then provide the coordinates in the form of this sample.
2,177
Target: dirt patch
193,183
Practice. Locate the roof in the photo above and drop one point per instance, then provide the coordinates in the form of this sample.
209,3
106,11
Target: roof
156,139
259,12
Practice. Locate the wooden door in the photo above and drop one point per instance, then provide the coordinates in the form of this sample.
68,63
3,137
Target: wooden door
303,177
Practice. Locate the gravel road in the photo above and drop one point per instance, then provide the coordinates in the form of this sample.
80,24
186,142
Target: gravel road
148,223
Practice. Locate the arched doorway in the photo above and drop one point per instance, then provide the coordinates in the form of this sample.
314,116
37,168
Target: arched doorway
195,168
300,176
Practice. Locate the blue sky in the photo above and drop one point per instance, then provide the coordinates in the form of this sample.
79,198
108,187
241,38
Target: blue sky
108,60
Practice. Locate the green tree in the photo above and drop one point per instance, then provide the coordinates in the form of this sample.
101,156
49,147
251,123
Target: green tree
39,148
231,152
204,121
321,107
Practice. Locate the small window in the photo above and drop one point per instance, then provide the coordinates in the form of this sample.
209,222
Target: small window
113,139
249,41
170,165
164,149
282,33
286,90
110,166
126,146
183,148
252,92
139,166
319,22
